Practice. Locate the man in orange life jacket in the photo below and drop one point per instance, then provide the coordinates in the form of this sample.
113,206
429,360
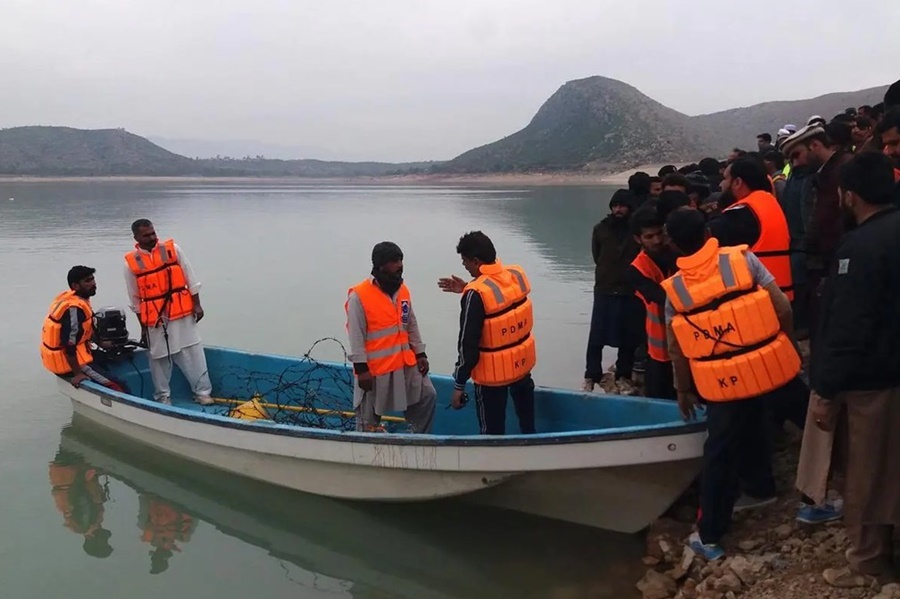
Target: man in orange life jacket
729,329
496,346
386,347
79,497
165,295
163,527
756,219
753,217
654,263
68,330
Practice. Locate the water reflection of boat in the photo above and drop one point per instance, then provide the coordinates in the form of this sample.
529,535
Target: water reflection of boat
607,461
438,550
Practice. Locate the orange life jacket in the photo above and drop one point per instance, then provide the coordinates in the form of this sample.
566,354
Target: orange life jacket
68,479
161,284
656,322
387,339
727,327
773,248
507,351
165,526
53,353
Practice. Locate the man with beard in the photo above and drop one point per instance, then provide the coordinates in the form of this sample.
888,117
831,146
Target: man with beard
654,264
617,315
68,330
754,217
386,347
889,132
855,366
165,295
811,148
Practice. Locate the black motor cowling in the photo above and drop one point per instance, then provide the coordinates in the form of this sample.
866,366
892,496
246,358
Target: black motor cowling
110,326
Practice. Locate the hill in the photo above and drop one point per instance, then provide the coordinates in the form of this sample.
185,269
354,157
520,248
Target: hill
598,123
739,127
76,152
64,151
605,125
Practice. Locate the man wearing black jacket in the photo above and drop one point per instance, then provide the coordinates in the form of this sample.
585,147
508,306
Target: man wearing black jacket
855,364
617,315
495,345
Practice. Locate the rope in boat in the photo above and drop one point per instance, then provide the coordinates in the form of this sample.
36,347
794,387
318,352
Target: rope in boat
308,393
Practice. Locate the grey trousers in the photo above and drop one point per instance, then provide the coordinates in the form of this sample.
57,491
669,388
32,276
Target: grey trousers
192,362
419,416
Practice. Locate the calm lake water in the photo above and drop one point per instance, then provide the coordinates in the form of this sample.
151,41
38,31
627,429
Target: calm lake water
276,262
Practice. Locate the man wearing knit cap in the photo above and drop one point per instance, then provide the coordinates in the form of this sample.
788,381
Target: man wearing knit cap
617,318
386,347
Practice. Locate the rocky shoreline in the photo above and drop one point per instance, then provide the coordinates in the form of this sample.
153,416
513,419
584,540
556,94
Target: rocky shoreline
769,555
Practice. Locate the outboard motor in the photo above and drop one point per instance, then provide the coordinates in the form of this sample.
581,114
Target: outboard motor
111,333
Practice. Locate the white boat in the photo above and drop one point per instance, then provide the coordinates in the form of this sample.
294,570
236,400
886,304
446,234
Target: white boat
606,461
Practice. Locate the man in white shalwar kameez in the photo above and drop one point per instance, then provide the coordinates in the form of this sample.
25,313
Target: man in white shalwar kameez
171,340
397,346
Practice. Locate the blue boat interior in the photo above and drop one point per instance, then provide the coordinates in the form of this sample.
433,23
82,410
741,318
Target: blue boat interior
306,392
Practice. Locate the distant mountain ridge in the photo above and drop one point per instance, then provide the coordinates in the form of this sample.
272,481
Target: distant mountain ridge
595,124
603,124
44,151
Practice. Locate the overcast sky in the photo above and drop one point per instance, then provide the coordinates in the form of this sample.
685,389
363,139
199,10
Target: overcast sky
414,79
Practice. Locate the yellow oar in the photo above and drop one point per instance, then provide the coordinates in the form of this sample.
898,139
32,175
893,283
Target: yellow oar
320,411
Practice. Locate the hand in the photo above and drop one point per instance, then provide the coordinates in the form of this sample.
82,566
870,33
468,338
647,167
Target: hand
198,312
114,386
456,400
824,412
79,378
451,284
423,365
687,403
365,380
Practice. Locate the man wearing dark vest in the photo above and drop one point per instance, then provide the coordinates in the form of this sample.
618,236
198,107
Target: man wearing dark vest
386,347
729,328
496,346
655,263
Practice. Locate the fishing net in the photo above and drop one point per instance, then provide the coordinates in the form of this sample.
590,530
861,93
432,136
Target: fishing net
308,393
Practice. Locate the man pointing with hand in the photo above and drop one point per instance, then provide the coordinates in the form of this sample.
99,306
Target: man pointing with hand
496,347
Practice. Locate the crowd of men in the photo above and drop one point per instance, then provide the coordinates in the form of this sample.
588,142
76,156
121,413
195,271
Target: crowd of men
707,277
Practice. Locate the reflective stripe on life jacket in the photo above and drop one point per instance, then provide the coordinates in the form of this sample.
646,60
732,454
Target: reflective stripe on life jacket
53,352
161,284
507,350
774,243
655,323
726,326
387,321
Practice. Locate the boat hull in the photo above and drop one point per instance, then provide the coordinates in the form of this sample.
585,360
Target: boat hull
596,490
